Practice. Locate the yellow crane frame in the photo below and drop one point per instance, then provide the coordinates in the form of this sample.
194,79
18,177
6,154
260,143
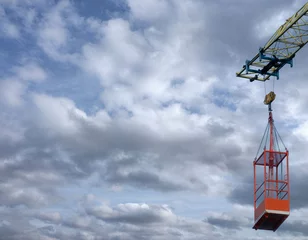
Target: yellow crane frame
279,50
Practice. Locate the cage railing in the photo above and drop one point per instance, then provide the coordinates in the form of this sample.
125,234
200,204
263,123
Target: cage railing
279,193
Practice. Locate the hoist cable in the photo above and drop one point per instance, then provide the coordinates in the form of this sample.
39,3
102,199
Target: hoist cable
264,88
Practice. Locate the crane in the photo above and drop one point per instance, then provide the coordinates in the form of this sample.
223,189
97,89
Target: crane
279,50
271,185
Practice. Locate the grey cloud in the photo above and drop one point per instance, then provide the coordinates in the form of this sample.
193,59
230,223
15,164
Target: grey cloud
49,217
234,26
125,221
215,129
7,232
16,225
93,145
14,194
143,179
231,224
80,223
8,149
132,214
295,227
298,193
147,223
243,193
132,219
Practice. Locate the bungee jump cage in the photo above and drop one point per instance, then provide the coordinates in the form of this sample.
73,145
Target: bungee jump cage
271,180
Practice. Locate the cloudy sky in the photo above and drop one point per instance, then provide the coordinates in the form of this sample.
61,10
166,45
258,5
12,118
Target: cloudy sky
123,119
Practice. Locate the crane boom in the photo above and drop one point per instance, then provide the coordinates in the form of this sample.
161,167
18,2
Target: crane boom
279,50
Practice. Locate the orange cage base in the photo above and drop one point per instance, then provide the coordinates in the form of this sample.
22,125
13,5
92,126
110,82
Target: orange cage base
271,214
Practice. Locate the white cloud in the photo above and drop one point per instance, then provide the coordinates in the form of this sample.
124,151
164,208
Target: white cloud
149,10
57,114
54,35
31,72
268,26
8,28
120,49
11,92
139,68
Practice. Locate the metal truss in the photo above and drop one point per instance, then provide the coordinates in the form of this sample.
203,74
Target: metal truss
279,50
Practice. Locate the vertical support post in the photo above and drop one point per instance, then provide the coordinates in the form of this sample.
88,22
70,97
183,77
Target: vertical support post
277,185
254,185
264,168
288,179
271,155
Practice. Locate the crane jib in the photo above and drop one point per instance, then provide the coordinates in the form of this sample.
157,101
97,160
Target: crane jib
279,50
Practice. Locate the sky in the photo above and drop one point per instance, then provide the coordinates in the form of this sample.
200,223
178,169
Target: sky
123,119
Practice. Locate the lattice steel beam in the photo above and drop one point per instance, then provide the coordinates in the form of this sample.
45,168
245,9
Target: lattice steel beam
279,50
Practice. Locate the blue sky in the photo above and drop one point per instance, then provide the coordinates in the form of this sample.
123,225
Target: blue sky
124,119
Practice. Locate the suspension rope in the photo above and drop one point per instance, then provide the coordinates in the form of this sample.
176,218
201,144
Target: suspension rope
281,171
280,138
266,130
276,139
266,136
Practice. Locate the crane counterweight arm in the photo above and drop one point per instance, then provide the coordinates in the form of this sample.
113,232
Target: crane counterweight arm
279,50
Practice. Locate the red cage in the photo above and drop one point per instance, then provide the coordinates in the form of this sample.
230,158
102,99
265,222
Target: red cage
271,182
